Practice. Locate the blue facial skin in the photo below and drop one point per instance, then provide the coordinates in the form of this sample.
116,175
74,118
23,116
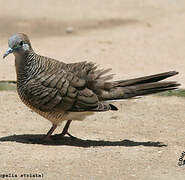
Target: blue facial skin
10,50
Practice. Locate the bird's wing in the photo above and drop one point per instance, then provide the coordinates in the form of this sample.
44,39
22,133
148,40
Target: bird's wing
89,71
62,91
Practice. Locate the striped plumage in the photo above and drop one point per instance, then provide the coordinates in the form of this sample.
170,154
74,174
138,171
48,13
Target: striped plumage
60,91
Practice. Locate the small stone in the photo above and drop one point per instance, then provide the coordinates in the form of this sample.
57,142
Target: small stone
69,30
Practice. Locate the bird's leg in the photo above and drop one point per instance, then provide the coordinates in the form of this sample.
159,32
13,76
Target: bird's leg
48,135
65,130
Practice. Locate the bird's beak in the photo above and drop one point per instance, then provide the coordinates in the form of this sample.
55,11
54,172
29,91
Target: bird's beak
9,51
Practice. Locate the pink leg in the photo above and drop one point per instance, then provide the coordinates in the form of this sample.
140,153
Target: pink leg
65,130
49,133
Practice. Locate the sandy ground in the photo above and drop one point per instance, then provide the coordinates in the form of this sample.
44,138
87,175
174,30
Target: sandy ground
146,137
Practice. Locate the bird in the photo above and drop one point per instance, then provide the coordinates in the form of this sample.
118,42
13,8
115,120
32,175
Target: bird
60,91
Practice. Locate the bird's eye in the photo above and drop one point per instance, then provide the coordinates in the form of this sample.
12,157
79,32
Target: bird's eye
21,43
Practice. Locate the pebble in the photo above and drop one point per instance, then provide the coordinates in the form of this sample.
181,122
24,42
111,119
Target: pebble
69,30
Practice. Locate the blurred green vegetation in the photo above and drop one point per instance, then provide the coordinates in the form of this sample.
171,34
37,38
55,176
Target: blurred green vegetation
178,93
7,85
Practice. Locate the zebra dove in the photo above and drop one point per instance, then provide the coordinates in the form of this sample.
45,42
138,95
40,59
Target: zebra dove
59,91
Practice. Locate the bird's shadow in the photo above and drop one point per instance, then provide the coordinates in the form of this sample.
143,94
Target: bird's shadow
38,139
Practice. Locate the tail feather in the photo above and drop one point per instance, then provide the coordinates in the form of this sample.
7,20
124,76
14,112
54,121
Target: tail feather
145,79
139,86
150,88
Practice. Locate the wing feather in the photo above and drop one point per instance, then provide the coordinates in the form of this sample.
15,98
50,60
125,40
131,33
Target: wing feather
62,91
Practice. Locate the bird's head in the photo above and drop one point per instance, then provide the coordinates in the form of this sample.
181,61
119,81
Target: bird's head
18,44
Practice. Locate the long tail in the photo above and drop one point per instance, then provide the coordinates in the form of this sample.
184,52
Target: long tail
138,87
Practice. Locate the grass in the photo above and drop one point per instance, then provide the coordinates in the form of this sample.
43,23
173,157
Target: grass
7,85
178,93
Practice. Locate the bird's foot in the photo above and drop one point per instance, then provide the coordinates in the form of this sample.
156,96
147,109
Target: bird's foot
71,136
62,135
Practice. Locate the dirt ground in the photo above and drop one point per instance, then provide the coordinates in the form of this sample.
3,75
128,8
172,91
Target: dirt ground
145,138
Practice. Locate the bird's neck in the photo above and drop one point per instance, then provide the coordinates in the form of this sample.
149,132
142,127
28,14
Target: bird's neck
21,62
